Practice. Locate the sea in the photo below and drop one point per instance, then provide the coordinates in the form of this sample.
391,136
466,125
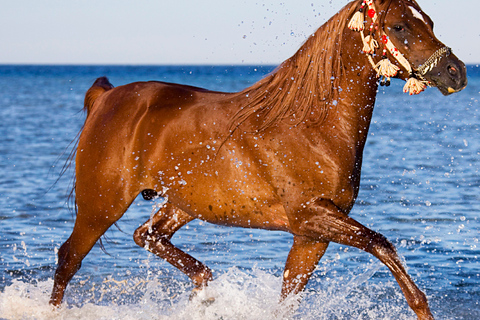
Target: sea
420,188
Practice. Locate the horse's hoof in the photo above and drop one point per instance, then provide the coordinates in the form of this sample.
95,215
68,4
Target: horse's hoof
208,301
204,300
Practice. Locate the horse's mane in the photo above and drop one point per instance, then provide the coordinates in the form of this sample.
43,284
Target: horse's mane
309,78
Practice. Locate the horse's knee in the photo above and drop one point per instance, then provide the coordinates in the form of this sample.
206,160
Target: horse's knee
144,236
140,237
381,246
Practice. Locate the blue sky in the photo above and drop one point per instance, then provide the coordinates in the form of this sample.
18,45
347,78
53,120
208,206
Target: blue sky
191,32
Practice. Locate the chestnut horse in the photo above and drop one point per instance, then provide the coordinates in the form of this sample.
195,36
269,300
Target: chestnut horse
284,154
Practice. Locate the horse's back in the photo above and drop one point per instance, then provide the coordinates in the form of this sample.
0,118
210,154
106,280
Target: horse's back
154,94
124,107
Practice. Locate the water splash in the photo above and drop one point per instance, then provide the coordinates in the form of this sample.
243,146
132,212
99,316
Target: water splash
238,294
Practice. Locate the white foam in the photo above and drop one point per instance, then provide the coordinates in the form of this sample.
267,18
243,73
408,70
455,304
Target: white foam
238,295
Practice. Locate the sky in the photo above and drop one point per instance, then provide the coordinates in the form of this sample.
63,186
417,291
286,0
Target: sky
167,32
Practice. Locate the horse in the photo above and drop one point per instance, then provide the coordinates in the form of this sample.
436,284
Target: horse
284,154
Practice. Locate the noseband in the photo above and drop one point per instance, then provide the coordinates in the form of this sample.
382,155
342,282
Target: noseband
385,69
433,60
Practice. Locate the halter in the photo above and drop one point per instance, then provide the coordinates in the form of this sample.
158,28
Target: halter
434,60
385,69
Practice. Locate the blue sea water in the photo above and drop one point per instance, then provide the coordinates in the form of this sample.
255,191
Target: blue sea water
420,188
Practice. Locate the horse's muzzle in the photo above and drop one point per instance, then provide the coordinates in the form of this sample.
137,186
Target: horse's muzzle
449,76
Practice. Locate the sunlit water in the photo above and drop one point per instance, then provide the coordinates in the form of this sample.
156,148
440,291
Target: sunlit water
420,188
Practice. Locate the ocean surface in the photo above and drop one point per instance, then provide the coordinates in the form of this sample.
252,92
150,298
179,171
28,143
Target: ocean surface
420,188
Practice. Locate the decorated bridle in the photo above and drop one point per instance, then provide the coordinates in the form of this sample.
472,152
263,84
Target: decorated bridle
385,69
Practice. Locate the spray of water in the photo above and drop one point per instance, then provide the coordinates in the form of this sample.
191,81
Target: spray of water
237,294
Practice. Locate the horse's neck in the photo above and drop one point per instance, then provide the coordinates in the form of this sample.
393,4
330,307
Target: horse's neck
357,97
352,108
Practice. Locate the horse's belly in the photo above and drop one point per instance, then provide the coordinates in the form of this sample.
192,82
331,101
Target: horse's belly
233,209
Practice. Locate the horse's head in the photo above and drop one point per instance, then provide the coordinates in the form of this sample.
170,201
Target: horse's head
405,36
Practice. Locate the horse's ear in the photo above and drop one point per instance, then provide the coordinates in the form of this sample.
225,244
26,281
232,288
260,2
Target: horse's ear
381,2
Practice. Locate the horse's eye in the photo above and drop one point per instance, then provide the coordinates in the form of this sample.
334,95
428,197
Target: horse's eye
398,28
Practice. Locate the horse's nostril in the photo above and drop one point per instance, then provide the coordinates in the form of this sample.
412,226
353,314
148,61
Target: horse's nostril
452,71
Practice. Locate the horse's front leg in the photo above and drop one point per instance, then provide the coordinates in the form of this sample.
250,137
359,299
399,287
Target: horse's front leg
301,262
324,221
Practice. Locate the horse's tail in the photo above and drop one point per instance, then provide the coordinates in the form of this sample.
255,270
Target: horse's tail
99,87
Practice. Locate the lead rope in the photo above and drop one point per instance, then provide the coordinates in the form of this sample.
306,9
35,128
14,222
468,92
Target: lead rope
385,68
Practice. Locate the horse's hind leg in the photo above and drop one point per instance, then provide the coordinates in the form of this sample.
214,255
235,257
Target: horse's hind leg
91,223
155,234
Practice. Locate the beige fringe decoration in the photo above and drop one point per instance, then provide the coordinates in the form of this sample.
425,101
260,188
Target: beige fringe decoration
387,69
356,23
414,86
369,44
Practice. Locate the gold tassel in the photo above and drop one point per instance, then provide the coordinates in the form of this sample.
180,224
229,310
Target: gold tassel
386,68
414,86
356,23
369,45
